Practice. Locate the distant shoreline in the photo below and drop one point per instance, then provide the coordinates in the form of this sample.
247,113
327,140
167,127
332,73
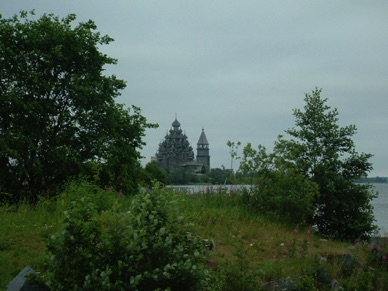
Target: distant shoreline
373,180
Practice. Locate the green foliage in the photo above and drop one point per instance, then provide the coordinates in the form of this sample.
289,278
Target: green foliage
374,256
154,173
147,246
276,189
377,253
325,153
237,273
298,246
58,116
308,284
220,175
179,175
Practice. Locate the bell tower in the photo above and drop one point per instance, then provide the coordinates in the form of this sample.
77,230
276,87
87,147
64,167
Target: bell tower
203,156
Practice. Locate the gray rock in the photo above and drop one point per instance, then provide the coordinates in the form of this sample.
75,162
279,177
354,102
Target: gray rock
335,286
349,263
285,284
323,276
19,283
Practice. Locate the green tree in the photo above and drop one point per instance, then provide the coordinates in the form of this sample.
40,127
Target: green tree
58,115
154,172
219,175
324,152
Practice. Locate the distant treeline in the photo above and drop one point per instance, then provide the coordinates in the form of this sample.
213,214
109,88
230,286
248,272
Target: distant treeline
373,180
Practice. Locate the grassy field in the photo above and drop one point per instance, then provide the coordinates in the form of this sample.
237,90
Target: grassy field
251,248
249,253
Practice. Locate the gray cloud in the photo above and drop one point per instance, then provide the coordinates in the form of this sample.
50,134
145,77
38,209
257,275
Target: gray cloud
238,68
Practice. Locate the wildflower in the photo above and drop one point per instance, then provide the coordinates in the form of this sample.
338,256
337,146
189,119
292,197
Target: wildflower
370,246
379,249
120,194
384,258
296,231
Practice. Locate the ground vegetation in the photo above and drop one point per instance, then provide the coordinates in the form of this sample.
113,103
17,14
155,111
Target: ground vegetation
231,246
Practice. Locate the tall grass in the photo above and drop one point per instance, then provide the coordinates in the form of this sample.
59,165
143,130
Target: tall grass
23,229
258,250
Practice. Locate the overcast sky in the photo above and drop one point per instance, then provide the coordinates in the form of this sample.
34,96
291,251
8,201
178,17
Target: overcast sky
239,68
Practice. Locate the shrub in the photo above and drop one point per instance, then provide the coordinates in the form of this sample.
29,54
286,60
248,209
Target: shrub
280,191
285,196
145,246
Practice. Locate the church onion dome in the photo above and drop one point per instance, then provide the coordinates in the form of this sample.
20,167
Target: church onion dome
202,139
176,123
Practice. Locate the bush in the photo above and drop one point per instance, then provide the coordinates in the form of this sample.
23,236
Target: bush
285,196
279,190
145,246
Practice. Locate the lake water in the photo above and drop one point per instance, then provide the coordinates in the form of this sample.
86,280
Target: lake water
380,204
